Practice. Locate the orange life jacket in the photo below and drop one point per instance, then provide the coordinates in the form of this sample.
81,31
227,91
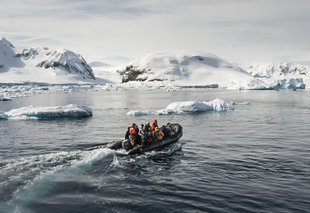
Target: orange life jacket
132,131
160,135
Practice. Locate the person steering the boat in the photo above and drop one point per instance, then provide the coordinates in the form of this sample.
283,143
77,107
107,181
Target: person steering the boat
132,136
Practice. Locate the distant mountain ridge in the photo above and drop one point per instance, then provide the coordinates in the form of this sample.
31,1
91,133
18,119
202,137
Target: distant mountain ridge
42,58
160,69
185,68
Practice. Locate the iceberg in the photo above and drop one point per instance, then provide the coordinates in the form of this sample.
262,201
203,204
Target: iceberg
239,103
139,113
31,112
188,107
5,98
198,106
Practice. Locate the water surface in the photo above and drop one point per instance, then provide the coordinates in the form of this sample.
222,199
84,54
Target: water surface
253,159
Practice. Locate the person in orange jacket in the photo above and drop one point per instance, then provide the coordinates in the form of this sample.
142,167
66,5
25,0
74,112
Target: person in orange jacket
132,136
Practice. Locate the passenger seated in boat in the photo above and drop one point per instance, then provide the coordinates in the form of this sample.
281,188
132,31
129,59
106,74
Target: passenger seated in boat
150,136
141,130
138,139
164,130
127,133
147,127
154,125
158,135
142,135
170,130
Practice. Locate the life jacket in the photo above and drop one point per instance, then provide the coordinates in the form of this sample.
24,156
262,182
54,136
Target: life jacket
160,135
132,131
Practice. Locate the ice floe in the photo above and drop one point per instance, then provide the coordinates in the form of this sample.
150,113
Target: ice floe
5,98
184,107
199,106
139,113
31,112
239,103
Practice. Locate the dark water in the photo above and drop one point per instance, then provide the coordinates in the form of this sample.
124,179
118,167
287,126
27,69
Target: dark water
253,159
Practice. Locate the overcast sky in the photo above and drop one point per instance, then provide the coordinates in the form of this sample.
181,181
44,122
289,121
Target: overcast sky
236,30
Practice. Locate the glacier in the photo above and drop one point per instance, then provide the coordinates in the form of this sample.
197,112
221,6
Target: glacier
281,75
55,112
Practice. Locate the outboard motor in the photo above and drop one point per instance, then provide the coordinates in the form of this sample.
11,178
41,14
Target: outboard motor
126,144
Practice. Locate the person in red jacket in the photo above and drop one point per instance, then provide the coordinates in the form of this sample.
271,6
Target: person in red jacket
154,125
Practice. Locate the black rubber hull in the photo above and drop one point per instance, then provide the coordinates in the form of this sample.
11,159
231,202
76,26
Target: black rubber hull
155,145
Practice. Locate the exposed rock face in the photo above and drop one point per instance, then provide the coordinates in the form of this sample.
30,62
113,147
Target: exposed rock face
132,74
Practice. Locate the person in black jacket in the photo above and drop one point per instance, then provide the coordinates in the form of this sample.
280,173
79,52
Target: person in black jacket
127,133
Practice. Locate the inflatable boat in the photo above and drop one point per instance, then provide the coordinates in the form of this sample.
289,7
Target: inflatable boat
138,149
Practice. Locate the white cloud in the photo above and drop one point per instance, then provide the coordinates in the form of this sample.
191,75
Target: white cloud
233,29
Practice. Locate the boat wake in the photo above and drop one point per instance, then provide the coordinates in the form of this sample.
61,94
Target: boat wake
153,161
25,179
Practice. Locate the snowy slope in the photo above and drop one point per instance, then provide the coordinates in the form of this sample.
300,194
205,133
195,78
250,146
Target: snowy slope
42,65
7,56
186,69
288,74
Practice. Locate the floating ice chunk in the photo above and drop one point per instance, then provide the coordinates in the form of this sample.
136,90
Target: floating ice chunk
31,112
5,98
239,103
164,112
197,106
188,107
139,113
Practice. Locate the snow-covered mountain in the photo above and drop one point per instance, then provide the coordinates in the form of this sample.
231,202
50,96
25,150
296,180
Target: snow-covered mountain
209,70
42,65
156,70
184,69
288,74
7,56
